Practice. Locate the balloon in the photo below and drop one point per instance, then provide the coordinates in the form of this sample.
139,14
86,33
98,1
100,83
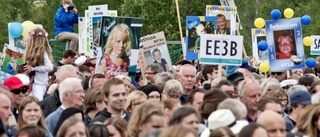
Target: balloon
307,41
288,13
27,26
311,62
259,22
264,67
306,20
15,29
263,45
275,14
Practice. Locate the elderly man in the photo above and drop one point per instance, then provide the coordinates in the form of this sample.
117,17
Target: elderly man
6,112
71,95
273,122
250,94
187,78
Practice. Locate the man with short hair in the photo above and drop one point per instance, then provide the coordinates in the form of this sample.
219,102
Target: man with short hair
273,123
227,87
6,112
51,103
298,101
178,66
151,70
68,57
71,94
97,80
195,98
279,75
269,103
209,72
187,78
250,94
115,96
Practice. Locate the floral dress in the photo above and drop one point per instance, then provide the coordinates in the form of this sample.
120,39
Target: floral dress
113,70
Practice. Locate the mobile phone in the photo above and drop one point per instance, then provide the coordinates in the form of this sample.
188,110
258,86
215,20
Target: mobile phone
71,6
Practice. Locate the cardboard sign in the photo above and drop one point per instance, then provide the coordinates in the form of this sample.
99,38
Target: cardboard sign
226,17
221,49
315,47
231,3
258,35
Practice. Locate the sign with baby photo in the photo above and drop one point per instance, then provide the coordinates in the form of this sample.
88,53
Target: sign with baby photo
226,17
155,50
119,41
285,46
315,47
197,25
258,35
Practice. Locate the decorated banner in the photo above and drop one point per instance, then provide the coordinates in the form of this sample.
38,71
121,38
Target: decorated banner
258,35
119,41
10,58
231,3
285,46
315,47
225,18
155,50
197,25
221,49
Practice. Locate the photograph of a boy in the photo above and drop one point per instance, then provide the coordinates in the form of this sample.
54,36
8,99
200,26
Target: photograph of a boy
285,46
157,56
222,27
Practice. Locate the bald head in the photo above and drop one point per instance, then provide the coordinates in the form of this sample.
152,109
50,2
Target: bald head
273,122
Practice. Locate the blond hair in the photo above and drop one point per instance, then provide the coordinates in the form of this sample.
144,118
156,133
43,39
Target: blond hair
112,39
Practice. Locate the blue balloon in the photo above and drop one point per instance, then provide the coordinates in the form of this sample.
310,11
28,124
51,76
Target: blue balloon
311,62
15,29
275,14
306,20
263,45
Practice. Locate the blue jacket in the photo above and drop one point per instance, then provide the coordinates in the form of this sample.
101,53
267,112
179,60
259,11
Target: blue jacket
64,21
52,120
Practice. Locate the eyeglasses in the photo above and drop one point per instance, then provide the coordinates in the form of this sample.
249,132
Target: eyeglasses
282,44
155,96
22,90
149,73
174,96
278,73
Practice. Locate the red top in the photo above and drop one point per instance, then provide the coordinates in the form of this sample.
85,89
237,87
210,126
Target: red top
113,70
280,55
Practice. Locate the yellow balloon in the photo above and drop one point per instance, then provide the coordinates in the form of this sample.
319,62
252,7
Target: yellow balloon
307,41
288,13
264,67
259,23
27,26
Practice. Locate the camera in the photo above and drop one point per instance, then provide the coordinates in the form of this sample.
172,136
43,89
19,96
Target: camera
71,6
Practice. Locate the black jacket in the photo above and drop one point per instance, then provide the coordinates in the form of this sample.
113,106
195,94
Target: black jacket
51,103
104,115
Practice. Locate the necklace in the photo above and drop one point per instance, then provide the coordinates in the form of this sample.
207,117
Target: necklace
113,54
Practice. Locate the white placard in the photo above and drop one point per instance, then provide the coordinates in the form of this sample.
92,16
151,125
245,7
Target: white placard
315,47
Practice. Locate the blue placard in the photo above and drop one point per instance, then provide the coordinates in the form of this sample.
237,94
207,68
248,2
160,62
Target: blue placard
284,37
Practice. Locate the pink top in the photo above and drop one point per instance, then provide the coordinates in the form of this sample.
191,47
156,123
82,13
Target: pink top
113,70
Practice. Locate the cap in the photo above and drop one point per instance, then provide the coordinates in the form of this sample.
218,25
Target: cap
300,97
235,77
288,82
24,79
13,82
246,65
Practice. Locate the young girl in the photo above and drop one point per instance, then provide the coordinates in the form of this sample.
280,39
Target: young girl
117,52
157,56
37,56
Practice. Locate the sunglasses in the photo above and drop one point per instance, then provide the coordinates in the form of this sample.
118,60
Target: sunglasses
278,73
22,90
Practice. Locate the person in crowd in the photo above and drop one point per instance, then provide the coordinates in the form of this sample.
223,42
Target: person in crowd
50,104
187,117
210,102
67,113
221,132
307,79
12,65
250,94
298,101
195,98
31,131
302,124
71,95
296,88
146,116
173,89
227,87
253,130
6,112
187,78
91,66
68,57
117,127
209,72
279,75
31,114
152,91
18,92
93,103
134,99
177,131
178,66
282,97
151,70
297,71
117,51
269,103
115,96
161,78
38,58
73,127
236,78
97,80
238,109
126,80
139,82
268,85
315,87
157,56
98,129
64,19
170,105
285,47
273,122
313,124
